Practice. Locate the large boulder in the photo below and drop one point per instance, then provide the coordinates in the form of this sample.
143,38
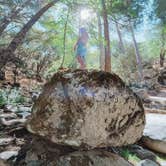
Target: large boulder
87,109
154,136
92,158
40,152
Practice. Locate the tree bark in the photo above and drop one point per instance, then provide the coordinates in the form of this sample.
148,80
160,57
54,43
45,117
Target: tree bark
163,50
101,45
138,57
107,39
121,45
162,57
8,19
64,39
18,40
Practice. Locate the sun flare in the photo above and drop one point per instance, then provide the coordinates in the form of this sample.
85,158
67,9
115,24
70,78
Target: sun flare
85,14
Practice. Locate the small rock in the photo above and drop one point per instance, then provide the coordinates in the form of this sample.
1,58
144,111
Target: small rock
147,162
24,109
6,141
24,115
35,95
155,132
8,115
12,108
8,154
142,153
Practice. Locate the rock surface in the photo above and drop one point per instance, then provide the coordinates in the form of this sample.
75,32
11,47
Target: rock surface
142,153
155,132
92,158
87,109
8,154
148,162
43,153
3,163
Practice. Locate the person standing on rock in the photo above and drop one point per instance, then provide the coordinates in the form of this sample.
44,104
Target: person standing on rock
80,48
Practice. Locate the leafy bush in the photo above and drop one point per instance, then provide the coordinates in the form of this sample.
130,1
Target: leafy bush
11,96
2,100
125,64
125,153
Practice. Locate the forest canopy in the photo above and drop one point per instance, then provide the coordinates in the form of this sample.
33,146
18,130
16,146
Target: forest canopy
39,36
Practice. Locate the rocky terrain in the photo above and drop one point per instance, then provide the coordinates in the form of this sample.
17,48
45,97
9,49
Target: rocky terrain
91,134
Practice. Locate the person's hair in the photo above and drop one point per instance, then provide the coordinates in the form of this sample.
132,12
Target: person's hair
82,31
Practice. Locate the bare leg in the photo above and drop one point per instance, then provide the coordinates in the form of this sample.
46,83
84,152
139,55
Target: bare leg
81,61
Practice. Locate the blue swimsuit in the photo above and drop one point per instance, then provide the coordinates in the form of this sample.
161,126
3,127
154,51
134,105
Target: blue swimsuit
81,49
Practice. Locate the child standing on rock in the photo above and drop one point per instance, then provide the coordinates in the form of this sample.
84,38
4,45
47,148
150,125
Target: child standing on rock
80,48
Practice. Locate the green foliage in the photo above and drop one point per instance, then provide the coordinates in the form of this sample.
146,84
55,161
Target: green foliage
150,49
2,100
160,10
11,96
45,41
130,9
125,153
129,156
124,64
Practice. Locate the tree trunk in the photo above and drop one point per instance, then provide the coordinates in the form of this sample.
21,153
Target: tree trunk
163,50
101,45
64,39
138,57
18,40
162,57
8,19
107,39
7,55
121,45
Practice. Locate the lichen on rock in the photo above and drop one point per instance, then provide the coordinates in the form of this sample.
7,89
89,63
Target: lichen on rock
87,109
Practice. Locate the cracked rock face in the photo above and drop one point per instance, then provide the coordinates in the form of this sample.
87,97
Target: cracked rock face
87,109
